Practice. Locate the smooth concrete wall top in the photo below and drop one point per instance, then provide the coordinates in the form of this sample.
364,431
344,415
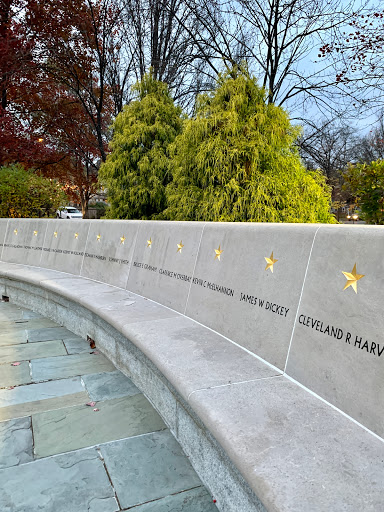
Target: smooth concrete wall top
279,291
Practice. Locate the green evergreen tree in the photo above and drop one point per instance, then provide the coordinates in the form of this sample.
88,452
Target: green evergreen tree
137,170
366,183
236,161
25,194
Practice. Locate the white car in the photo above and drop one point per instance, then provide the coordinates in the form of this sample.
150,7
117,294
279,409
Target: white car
68,212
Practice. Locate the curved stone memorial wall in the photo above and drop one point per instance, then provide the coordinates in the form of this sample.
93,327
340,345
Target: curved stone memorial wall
305,301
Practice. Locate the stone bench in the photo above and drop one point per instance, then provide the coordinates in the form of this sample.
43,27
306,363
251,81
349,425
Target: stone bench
268,371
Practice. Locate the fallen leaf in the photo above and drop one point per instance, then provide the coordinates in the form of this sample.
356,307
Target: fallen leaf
15,364
92,344
91,404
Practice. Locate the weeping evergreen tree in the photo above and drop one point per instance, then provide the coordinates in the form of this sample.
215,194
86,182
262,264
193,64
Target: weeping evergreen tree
236,161
137,170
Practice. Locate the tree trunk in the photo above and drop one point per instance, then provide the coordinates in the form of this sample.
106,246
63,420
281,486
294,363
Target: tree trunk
84,200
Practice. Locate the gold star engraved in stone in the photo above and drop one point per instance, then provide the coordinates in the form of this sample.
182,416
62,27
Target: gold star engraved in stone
98,238
55,234
270,262
352,278
180,246
76,235
149,242
15,231
218,253
122,239
35,232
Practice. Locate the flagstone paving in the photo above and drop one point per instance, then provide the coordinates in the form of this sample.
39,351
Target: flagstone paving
48,333
11,314
28,314
76,345
13,337
68,366
106,386
36,406
76,427
73,482
32,323
154,465
195,500
77,435
16,443
15,375
40,391
28,351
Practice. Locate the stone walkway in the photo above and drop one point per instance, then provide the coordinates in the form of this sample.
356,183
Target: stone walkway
76,435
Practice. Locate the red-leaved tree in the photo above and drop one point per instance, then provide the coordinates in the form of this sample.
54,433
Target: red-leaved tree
56,99
20,139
